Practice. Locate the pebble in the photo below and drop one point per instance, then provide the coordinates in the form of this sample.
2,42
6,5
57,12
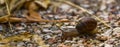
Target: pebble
108,32
74,45
116,31
46,26
67,27
46,30
20,44
47,37
111,41
102,38
118,45
20,28
101,44
1,28
108,45
65,7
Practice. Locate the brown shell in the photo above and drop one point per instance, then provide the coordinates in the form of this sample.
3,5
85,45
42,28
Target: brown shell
86,25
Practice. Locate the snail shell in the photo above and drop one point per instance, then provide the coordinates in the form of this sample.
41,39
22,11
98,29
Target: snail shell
86,25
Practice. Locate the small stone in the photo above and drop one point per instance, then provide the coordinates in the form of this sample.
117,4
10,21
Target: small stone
73,23
63,17
111,41
101,44
46,26
66,23
64,7
107,33
62,45
103,7
52,40
46,31
116,30
22,31
38,31
50,15
118,35
74,45
108,45
68,27
26,39
1,28
57,32
20,28
118,45
102,38
47,37
67,41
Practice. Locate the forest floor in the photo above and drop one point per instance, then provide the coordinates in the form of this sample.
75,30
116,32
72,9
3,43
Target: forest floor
41,23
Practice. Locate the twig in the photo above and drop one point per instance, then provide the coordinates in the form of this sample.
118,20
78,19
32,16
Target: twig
12,3
55,6
9,14
59,27
8,9
17,6
85,10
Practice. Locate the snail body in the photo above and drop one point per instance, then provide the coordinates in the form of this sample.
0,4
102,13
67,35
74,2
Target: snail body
86,25
69,34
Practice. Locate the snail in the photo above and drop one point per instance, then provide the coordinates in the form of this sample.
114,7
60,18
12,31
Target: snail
86,26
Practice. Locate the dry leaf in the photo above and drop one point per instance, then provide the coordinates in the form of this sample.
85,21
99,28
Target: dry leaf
2,1
33,6
23,37
43,3
33,16
12,3
19,37
17,6
4,19
5,45
30,5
